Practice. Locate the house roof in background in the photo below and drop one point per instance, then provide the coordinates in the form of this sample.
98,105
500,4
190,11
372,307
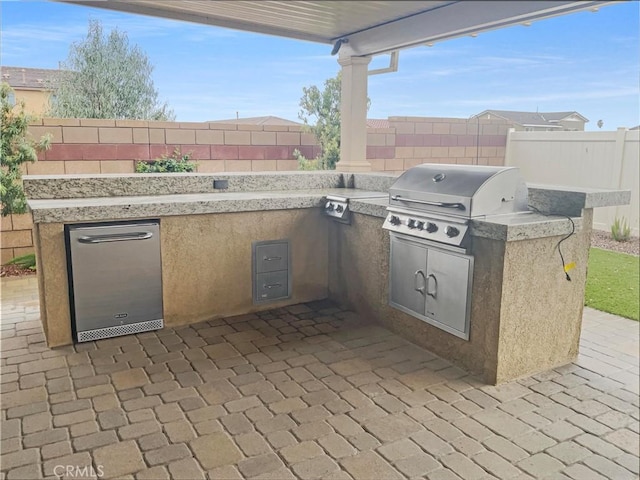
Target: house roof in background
272,120
29,78
369,27
530,119
266,120
377,123
558,116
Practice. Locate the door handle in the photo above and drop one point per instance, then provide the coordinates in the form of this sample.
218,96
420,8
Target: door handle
115,237
273,285
433,293
415,281
271,259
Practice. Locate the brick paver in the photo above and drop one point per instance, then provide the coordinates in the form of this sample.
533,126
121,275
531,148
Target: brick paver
308,391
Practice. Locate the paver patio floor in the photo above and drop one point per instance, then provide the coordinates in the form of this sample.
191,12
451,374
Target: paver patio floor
309,391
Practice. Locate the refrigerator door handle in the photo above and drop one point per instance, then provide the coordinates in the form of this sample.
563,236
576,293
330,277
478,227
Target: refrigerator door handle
116,237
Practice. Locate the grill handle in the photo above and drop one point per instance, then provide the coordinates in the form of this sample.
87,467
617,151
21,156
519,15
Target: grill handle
457,205
433,293
115,237
415,281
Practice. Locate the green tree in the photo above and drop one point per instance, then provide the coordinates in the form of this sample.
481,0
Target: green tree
16,148
321,115
105,77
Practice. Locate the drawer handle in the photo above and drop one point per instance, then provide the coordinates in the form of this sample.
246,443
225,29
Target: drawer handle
273,285
116,237
271,259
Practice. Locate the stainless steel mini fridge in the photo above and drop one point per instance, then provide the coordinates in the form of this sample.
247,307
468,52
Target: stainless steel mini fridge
115,278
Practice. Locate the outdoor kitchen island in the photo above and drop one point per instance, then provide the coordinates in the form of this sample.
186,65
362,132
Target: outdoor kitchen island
525,316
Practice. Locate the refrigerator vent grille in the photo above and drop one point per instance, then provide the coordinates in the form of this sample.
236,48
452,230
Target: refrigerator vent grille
89,335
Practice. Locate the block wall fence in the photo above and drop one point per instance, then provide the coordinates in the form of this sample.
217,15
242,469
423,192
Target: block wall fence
92,146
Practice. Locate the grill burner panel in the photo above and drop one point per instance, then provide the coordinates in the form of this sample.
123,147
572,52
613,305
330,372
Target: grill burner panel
449,230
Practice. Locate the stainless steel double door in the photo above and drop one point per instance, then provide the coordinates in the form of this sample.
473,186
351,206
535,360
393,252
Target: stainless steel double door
431,284
115,277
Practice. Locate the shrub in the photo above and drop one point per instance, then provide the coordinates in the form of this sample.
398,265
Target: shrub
620,230
24,261
176,162
307,164
16,148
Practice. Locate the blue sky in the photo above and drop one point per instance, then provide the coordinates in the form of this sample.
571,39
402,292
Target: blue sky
587,62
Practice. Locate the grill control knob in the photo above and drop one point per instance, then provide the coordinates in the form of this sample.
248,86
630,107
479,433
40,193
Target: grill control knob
411,223
330,206
339,208
420,225
431,227
394,220
452,232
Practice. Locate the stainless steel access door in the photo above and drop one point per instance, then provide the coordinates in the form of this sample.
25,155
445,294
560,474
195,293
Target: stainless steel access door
407,283
448,291
116,278
431,284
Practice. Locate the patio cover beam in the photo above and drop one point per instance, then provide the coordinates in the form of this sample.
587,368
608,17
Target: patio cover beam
388,26
457,19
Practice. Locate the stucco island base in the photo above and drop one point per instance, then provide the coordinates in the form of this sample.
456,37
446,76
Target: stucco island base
525,316
206,265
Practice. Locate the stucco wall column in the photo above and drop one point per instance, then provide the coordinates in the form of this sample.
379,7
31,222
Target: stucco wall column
353,115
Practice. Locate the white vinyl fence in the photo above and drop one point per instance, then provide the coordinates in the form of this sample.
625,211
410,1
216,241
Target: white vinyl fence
582,159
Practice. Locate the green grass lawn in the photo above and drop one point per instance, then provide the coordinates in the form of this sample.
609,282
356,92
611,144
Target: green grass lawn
612,283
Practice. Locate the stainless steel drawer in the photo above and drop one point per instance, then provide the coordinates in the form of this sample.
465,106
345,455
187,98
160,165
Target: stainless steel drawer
272,257
272,285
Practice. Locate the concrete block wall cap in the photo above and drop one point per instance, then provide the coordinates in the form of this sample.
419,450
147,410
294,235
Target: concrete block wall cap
97,122
132,123
194,125
222,126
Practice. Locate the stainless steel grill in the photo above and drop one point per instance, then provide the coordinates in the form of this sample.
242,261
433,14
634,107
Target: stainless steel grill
435,202
430,207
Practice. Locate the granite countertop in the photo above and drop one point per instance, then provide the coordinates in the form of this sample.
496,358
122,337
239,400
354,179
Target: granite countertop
69,210
502,227
523,226
87,198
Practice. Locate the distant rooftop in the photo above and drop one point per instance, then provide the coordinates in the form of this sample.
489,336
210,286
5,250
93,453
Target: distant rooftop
30,78
272,120
377,123
266,120
549,119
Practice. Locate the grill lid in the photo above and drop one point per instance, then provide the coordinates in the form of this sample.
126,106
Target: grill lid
460,190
